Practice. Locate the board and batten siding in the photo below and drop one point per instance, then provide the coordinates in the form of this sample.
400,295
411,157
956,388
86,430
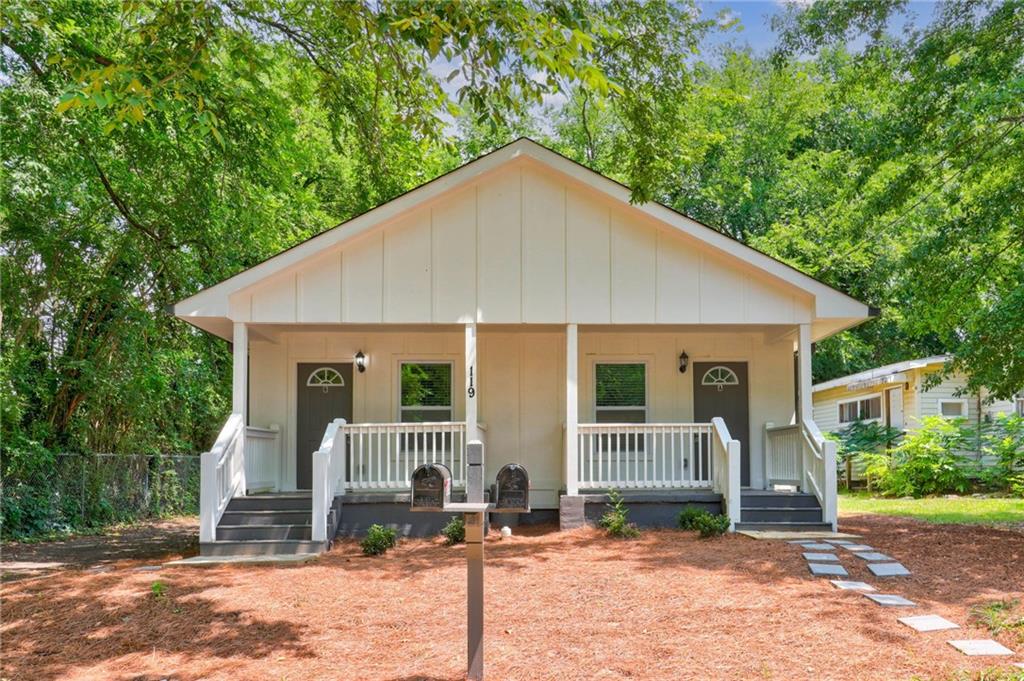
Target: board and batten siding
521,385
522,244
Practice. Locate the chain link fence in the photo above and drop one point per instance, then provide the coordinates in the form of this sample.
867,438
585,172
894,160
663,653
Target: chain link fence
78,491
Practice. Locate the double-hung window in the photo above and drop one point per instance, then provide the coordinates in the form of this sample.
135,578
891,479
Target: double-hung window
426,397
861,409
621,397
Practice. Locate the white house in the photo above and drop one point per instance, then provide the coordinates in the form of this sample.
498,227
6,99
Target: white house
521,300
897,395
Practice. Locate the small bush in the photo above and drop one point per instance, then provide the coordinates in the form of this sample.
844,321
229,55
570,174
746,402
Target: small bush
378,540
711,525
925,463
158,589
614,520
455,531
688,517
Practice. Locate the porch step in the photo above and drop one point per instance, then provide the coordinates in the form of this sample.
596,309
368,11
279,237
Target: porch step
783,527
250,532
266,517
297,501
771,499
780,514
260,547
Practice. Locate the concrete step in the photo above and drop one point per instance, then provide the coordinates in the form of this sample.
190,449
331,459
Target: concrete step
260,547
271,517
295,501
250,532
785,514
783,527
758,499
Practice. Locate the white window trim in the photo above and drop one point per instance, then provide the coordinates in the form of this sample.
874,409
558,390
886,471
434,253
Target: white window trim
647,387
965,410
859,398
451,393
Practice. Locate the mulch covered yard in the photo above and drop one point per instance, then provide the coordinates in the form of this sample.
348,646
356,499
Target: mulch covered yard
571,605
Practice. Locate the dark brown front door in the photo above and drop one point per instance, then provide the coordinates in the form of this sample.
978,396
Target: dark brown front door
720,389
324,394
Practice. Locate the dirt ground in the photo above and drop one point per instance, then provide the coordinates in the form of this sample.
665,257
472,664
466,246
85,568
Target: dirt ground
154,540
573,605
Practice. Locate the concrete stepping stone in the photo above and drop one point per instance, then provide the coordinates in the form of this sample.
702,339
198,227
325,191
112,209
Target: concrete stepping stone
928,623
873,555
825,569
818,546
822,557
981,646
852,586
1019,664
888,569
858,547
891,600
841,542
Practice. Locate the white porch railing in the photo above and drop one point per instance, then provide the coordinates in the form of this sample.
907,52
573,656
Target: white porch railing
727,468
262,457
328,475
644,455
382,456
818,466
783,454
222,472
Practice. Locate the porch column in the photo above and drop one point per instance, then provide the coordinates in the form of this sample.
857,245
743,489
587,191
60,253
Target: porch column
804,408
472,385
240,383
571,410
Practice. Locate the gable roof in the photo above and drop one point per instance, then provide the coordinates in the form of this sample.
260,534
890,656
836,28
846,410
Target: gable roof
879,374
212,302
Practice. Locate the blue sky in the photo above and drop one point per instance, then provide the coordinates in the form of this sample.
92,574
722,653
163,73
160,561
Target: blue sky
755,19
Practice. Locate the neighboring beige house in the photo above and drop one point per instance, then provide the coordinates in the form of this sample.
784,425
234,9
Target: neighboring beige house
895,395
523,301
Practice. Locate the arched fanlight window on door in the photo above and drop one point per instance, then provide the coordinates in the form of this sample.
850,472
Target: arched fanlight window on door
326,378
720,376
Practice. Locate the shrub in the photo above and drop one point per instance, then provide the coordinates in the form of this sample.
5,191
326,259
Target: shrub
1004,440
455,531
378,540
614,520
711,525
688,517
925,463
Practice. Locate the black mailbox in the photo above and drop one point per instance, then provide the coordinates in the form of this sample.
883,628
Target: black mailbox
431,487
512,490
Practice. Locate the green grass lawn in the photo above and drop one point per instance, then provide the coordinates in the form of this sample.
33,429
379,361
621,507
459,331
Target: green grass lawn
960,510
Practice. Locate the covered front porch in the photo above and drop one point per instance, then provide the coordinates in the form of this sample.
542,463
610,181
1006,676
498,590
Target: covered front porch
585,408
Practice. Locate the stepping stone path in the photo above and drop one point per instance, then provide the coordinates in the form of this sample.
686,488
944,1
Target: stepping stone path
852,586
821,557
928,623
891,600
873,555
888,569
981,647
826,569
881,565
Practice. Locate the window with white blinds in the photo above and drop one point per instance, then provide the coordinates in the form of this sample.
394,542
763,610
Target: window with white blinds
620,392
426,392
863,409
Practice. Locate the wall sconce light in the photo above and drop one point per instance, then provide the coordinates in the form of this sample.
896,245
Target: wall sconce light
360,361
684,361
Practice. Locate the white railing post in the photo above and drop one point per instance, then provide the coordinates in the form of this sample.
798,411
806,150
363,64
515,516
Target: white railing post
339,458
733,498
209,497
768,468
831,491
571,410
321,463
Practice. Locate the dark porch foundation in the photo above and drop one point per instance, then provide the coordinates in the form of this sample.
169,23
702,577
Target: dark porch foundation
646,509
